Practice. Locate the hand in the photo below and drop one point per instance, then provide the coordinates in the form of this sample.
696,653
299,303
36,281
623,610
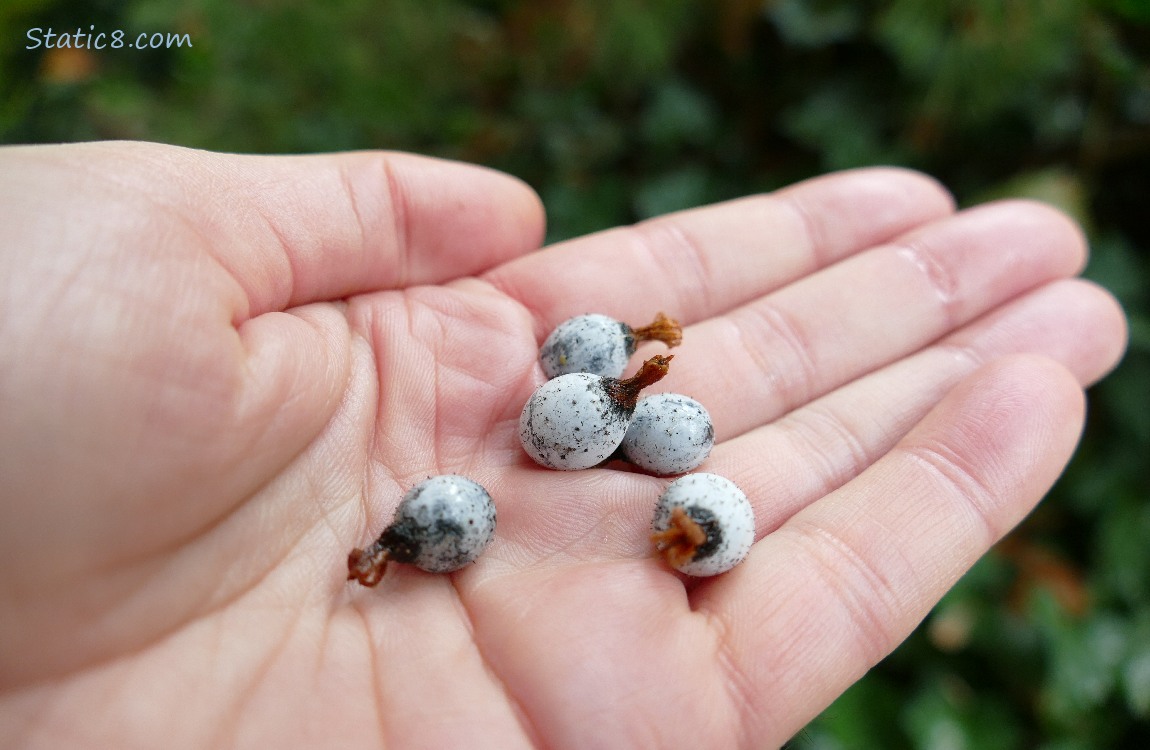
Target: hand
218,375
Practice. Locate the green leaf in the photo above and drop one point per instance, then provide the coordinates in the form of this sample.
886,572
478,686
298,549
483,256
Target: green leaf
678,189
817,23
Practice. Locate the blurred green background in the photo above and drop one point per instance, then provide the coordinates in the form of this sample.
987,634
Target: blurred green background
622,109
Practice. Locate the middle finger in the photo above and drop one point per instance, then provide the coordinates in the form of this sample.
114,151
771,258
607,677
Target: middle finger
782,350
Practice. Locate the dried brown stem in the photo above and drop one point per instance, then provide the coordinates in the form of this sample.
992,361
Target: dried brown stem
681,540
367,565
626,392
663,329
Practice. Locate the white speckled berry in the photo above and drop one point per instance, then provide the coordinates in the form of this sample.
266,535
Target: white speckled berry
576,421
669,434
600,345
595,344
441,525
704,525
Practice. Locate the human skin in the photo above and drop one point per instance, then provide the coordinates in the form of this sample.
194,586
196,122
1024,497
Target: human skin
219,374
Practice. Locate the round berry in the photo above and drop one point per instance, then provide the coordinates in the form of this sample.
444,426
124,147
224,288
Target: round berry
600,345
441,525
704,525
576,421
669,434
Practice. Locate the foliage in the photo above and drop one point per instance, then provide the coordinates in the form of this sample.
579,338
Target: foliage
620,109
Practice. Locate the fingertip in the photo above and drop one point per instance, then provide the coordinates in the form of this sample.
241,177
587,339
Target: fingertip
1109,331
1049,384
860,208
1055,403
1011,426
297,366
495,211
912,184
1114,328
532,214
897,183
1047,225
1004,395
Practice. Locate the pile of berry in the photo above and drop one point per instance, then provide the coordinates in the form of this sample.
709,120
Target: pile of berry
585,415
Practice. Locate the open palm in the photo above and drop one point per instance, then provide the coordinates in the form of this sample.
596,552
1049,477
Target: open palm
218,374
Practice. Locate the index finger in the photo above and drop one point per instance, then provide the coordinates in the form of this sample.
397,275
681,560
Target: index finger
702,262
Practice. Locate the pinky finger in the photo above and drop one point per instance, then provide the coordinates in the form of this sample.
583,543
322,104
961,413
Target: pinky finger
844,581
